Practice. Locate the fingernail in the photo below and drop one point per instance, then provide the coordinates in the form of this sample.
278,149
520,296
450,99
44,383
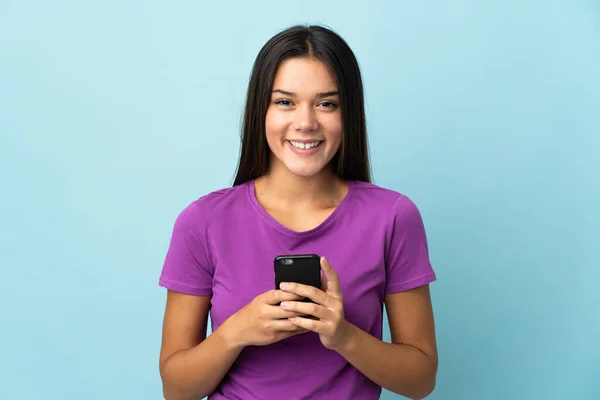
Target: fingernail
284,285
285,304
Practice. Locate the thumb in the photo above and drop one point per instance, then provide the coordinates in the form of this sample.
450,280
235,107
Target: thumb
323,282
333,283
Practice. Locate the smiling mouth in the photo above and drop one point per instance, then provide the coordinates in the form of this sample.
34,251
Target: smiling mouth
305,146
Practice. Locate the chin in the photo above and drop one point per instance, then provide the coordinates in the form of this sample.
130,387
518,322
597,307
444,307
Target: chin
308,171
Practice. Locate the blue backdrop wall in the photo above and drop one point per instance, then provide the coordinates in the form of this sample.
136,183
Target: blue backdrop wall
115,115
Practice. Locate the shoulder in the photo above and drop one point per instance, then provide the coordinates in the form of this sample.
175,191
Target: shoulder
213,206
384,201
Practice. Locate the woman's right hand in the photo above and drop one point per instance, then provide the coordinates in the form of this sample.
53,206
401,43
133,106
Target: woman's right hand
263,321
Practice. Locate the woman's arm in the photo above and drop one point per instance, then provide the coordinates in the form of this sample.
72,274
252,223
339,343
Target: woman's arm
192,365
408,365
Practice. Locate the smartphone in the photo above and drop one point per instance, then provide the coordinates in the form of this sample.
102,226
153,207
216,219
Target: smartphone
301,268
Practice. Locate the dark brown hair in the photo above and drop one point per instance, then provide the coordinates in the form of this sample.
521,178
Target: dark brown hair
351,162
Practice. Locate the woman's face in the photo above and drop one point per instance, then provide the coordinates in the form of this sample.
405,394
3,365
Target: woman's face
303,121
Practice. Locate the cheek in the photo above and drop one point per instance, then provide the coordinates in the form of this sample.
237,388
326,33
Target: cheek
336,136
334,130
335,144
271,129
276,122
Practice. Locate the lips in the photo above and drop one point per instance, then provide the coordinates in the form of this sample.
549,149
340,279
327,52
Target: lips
303,145
304,148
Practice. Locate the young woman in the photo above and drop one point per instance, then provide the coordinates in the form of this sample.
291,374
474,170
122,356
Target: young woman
302,187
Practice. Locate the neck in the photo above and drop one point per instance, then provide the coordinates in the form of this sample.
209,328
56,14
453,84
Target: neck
281,186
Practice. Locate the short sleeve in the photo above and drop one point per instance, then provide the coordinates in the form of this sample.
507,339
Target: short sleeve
407,263
186,268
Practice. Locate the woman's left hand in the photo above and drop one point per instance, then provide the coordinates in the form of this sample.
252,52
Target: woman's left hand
328,308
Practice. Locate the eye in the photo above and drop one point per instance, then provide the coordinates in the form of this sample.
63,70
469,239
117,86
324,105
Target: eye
330,105
283,102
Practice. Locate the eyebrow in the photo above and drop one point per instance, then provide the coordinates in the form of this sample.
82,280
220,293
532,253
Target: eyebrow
319,95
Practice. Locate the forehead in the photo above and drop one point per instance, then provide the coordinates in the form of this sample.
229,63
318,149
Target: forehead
303,75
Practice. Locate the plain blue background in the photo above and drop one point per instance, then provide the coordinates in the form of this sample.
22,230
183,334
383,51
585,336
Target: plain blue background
115,115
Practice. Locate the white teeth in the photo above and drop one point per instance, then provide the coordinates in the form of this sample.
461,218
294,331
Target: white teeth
304,146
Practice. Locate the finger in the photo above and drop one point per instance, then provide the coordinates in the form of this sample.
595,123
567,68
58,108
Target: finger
273,297
301,308
299,331
323,282
284,325
310,324
316,295
277,312
284,335
333,281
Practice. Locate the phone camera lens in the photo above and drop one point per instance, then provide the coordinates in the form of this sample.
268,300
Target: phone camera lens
287,261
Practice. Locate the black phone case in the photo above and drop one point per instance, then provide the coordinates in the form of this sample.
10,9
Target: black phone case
304,268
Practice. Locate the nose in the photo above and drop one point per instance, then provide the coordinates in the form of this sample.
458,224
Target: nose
305,120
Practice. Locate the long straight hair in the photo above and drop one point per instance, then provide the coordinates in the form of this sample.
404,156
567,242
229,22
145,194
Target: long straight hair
351,162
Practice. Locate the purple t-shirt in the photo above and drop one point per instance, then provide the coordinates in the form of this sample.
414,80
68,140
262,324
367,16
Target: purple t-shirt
223,245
